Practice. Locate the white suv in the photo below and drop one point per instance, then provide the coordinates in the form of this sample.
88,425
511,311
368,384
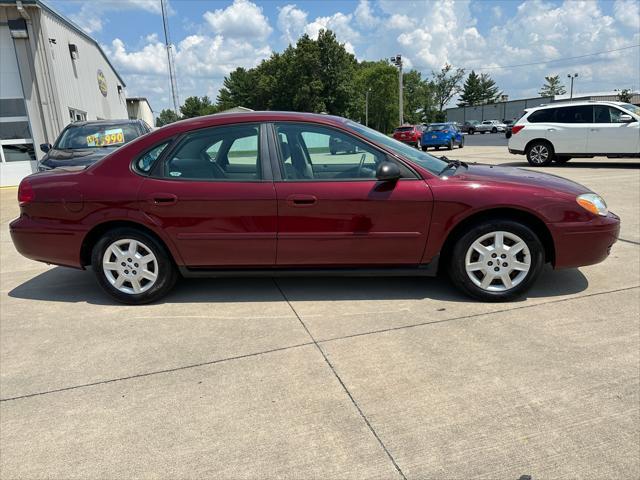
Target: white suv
561,131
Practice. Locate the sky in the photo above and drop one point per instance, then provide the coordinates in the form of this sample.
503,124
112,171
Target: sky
213,37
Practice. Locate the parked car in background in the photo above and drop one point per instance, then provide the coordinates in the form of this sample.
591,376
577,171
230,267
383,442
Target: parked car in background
259,194
444,135
580,129
491,126
469,126
340,145
82,143
410,134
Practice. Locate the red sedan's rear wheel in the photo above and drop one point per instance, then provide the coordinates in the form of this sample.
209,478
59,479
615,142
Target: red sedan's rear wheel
496,261
132,266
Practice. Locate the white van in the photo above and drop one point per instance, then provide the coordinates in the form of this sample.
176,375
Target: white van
563,131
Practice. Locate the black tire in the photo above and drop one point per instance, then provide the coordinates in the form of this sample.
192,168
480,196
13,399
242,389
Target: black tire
450,145
437,148
540,153
482,132
562,159
457,261
165,269
494,130
332,151
471,131
461,142
424,149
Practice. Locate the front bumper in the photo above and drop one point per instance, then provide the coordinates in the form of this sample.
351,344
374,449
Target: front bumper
578,244
516,152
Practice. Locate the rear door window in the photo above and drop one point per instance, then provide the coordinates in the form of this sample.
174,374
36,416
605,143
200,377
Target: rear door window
575,114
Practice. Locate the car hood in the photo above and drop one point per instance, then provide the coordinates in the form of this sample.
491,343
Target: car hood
518,176
77,157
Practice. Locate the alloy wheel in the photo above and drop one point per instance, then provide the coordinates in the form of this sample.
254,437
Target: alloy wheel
130,266
498,261
539,154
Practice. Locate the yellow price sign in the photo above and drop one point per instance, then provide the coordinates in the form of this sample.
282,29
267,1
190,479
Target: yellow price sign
114,136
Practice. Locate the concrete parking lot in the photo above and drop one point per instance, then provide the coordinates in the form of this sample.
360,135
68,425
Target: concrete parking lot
328,378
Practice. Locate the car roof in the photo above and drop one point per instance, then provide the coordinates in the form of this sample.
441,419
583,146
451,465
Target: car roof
576,103
83,123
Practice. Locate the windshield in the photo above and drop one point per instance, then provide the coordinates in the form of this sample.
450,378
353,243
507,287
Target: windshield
96,136
438,127
423,159
632,108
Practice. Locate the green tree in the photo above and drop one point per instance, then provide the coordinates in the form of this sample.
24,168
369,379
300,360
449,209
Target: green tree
552,87
446,83
471,91
489,91
238,90
625,95
382,79
197,106
166,117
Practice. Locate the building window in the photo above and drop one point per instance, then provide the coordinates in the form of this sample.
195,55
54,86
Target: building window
16,144
77,115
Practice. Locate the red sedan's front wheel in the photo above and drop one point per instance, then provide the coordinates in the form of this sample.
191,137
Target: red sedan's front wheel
497,260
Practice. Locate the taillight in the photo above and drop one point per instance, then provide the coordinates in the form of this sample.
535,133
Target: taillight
516,128
25,192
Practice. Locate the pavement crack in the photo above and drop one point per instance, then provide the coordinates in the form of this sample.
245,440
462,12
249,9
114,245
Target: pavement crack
155,372
633,242
353,400
473,315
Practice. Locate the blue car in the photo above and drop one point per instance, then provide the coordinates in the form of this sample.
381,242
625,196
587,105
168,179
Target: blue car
442,135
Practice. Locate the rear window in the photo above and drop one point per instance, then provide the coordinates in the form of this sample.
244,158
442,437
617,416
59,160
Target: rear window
96,136
437,127
544,115
403,129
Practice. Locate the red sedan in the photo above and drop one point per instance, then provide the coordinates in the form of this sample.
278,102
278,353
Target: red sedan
261,194
411,134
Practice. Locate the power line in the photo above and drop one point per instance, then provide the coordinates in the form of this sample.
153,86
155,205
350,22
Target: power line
555,60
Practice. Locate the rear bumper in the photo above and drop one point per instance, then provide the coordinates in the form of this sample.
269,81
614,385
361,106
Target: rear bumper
578,244
432,142
45,243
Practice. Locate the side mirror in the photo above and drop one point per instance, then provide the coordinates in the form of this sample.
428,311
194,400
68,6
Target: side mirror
624,118
45,147
388,172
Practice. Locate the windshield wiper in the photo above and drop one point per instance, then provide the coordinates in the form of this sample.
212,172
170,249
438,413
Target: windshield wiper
450,164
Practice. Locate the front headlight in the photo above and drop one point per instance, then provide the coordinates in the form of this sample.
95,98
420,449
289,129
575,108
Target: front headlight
593,203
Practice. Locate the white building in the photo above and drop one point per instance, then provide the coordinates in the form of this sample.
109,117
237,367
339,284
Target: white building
51,73
139,108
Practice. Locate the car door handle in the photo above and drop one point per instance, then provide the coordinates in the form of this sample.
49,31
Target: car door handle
163,199
551,129
302,200
595,129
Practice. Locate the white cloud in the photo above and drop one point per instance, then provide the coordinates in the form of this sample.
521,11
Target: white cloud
291,22
627,12
242,19
91,14
338,23
364,16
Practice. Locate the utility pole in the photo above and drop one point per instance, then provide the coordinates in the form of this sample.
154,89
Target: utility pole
397,61
366,107
170,59
575,75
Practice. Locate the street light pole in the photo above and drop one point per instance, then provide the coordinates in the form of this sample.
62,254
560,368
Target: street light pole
366,107
575,75
397,61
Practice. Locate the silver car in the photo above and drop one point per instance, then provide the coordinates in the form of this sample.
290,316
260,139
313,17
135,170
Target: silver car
492,126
